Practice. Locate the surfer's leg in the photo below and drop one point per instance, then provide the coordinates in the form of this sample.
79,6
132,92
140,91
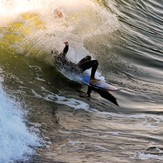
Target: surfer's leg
94,68
91,64
86,59
89,91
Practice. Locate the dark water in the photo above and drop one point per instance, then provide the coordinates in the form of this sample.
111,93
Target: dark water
59,123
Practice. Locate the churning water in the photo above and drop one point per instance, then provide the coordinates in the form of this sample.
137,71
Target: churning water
45,116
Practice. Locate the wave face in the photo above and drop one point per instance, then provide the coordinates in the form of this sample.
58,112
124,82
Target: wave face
126,38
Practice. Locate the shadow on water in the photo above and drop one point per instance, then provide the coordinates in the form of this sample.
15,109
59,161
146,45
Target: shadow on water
105,94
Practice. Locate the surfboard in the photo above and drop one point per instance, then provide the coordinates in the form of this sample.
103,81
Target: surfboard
98,84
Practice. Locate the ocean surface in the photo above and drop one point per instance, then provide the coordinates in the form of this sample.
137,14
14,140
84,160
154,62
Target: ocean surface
45,115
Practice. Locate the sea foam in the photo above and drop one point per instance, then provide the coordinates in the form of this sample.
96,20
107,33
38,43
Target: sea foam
16,139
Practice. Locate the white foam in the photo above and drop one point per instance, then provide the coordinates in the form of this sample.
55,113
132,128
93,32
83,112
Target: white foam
72,102
15,138
77,104
144,156
9,8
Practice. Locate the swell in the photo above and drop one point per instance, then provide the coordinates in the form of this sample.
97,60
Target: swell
141,34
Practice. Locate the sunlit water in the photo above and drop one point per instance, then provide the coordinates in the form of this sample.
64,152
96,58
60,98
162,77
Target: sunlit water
45,115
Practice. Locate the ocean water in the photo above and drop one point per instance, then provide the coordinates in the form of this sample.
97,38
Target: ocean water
45,115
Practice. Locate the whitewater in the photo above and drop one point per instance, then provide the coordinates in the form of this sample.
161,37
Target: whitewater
45,115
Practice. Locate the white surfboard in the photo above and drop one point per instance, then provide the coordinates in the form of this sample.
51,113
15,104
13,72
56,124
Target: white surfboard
98,84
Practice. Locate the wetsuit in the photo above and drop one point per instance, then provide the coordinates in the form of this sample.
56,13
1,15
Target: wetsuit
84,64
87,63
62,61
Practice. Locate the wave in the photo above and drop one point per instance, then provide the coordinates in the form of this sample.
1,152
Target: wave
40,27
17,141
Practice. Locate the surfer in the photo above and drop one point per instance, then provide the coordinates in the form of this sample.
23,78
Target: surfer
81,66
85,63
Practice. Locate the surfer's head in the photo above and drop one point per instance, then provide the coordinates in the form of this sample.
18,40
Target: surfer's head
66,42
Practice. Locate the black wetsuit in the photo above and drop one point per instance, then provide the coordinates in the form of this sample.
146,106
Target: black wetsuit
62,62
84,64
87,63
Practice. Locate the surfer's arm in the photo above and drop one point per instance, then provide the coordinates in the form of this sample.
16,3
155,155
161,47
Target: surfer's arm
65,50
